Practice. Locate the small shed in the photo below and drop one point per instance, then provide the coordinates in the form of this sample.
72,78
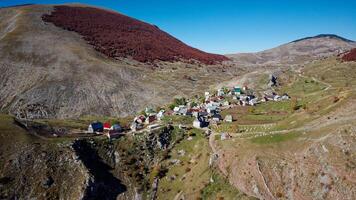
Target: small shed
96,127
220,92
113,134
217,117
211,109
160,115
136,126
237,90
228,118
197,123
140,119
285,96
150,119
107,126
116,128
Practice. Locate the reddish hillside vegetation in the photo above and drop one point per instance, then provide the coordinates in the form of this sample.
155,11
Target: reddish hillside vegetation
350,56
116,35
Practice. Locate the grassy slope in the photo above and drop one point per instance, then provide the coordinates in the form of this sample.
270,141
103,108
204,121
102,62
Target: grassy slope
192,175
331,90
310,99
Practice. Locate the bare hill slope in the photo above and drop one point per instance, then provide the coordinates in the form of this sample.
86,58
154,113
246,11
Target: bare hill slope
296,52
51,72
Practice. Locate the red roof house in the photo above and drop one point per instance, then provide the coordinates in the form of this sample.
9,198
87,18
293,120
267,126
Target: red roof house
107,126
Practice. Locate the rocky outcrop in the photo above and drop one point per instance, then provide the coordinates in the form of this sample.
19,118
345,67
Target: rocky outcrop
320,168
40,172
34,167
103,184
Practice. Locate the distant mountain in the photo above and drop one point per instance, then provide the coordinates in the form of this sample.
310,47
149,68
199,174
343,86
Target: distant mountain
331,36
296,52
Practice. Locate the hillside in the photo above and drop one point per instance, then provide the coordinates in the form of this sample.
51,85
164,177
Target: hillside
296,52
116,35
299,149
51,72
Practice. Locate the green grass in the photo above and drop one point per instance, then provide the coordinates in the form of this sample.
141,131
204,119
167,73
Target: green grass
196,174
226,127
276,138
10,132
334,72
220,188
263,117
302,87
196,184
272,106
179,119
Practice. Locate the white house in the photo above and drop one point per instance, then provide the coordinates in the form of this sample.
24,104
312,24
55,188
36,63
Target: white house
221,92
228,118
197,123
160,115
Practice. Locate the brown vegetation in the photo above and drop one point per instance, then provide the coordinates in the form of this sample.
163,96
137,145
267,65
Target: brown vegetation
350,56
116,35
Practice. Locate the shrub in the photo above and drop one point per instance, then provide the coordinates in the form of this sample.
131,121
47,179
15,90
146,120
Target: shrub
193,104
172,106
336,99
180,101
124,36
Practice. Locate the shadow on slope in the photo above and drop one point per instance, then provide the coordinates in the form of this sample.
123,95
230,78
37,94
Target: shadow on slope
105,185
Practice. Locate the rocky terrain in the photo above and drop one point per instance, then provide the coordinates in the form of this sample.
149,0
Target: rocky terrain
296,52
33,167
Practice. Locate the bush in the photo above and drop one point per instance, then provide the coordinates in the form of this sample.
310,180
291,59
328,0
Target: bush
336,99
193,104
180,101
172,106
294,104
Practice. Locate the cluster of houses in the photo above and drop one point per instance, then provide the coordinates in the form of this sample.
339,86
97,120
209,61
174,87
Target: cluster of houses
205,113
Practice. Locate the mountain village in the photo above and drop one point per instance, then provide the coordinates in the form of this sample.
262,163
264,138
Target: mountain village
206,111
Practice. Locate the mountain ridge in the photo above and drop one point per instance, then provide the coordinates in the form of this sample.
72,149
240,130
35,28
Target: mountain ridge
324,36
296,52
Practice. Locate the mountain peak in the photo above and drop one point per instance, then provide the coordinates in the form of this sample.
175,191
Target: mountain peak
332,36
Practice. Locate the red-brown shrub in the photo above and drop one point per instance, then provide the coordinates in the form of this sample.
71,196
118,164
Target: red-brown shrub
116,35
350,56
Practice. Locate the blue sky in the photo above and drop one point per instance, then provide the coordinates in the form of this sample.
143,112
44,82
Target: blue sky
230,26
